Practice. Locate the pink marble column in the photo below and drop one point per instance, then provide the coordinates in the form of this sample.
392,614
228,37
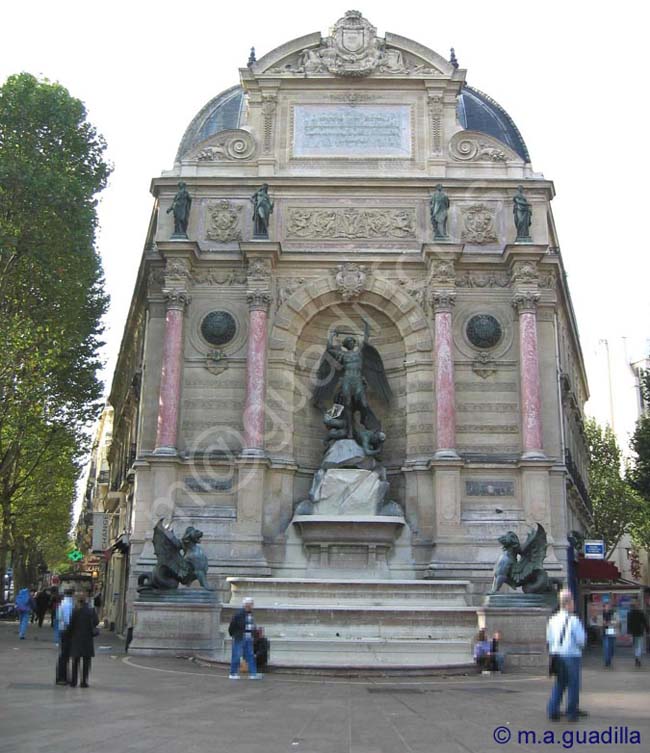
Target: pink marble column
445,392
170,378
531,406
254,411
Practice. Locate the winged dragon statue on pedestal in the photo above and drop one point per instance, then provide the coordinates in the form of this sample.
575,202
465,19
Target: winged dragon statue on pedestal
522,566
179,562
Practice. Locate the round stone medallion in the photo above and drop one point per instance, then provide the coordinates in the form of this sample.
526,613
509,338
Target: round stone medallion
483,331
218,327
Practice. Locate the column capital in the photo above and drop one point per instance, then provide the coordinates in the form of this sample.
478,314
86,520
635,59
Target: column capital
176,299
258,300
524,300
442,301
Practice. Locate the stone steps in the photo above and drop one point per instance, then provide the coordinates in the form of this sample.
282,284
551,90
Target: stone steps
327,592
339,623
365,653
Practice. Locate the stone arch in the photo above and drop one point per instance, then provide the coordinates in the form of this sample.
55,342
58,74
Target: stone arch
295,315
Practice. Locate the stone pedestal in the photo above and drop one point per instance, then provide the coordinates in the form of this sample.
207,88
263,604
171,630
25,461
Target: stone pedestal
523,633
176,623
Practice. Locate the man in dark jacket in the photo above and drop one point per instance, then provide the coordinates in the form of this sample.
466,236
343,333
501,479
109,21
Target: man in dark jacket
83,623
637,627
242,632
42,605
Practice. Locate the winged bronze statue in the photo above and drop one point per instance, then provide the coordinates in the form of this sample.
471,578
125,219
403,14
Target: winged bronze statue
346,370
178,562
522,566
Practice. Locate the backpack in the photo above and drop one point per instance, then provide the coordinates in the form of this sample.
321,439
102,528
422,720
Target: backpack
23,600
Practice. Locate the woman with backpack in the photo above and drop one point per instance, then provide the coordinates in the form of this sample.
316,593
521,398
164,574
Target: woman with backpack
25,605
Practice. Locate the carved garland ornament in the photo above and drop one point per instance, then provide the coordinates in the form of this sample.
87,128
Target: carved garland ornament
321,224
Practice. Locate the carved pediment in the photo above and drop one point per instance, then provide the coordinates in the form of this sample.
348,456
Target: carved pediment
353,50
225,146
473,146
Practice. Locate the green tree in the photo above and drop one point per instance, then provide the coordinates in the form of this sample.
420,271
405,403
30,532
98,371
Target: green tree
639,471
617,507
52,301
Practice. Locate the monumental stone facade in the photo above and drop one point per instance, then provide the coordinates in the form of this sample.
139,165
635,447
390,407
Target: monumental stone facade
351,133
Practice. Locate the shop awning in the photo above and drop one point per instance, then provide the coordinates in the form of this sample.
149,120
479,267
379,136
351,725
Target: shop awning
597,570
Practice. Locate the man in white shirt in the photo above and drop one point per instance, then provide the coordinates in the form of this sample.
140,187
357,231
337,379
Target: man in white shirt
63,616
565,638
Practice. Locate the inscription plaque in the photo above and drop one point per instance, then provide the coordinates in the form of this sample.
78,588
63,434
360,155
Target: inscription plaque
208,484
490,488
352,131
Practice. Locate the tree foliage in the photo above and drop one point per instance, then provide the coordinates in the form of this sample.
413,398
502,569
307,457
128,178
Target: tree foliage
639,471
51,304
618,508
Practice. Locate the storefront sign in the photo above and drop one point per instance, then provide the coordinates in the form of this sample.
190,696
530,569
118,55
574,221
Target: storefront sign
101,523
594,550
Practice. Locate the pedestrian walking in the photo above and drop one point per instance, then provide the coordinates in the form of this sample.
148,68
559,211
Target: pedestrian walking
64,616
565,637
637,627
83,624
242,631
25,605
610,630
42,605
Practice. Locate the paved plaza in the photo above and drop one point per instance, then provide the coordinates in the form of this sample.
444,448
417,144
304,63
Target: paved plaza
153,704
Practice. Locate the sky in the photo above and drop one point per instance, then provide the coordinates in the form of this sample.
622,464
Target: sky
570,74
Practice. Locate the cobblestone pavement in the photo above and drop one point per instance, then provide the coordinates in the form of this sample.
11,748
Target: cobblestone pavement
171,705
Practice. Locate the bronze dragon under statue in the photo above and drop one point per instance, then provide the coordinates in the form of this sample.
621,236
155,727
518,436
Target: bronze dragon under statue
179,562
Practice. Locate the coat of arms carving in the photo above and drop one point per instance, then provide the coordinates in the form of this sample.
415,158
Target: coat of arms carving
478,225
223,222
351,280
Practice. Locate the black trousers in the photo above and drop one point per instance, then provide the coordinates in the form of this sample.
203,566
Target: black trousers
85,670
64,658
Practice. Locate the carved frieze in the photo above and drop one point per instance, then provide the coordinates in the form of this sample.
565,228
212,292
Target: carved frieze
176,270
223,222
524,273
478,224
547,280
259,271
442,273
234,144
477,147
351,280
470,279
339,222
212,276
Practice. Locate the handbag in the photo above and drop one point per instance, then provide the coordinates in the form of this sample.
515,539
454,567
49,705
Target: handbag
554,661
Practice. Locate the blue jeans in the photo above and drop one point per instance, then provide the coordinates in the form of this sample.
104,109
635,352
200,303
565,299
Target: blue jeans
242,646
568,678
23,621
608,648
